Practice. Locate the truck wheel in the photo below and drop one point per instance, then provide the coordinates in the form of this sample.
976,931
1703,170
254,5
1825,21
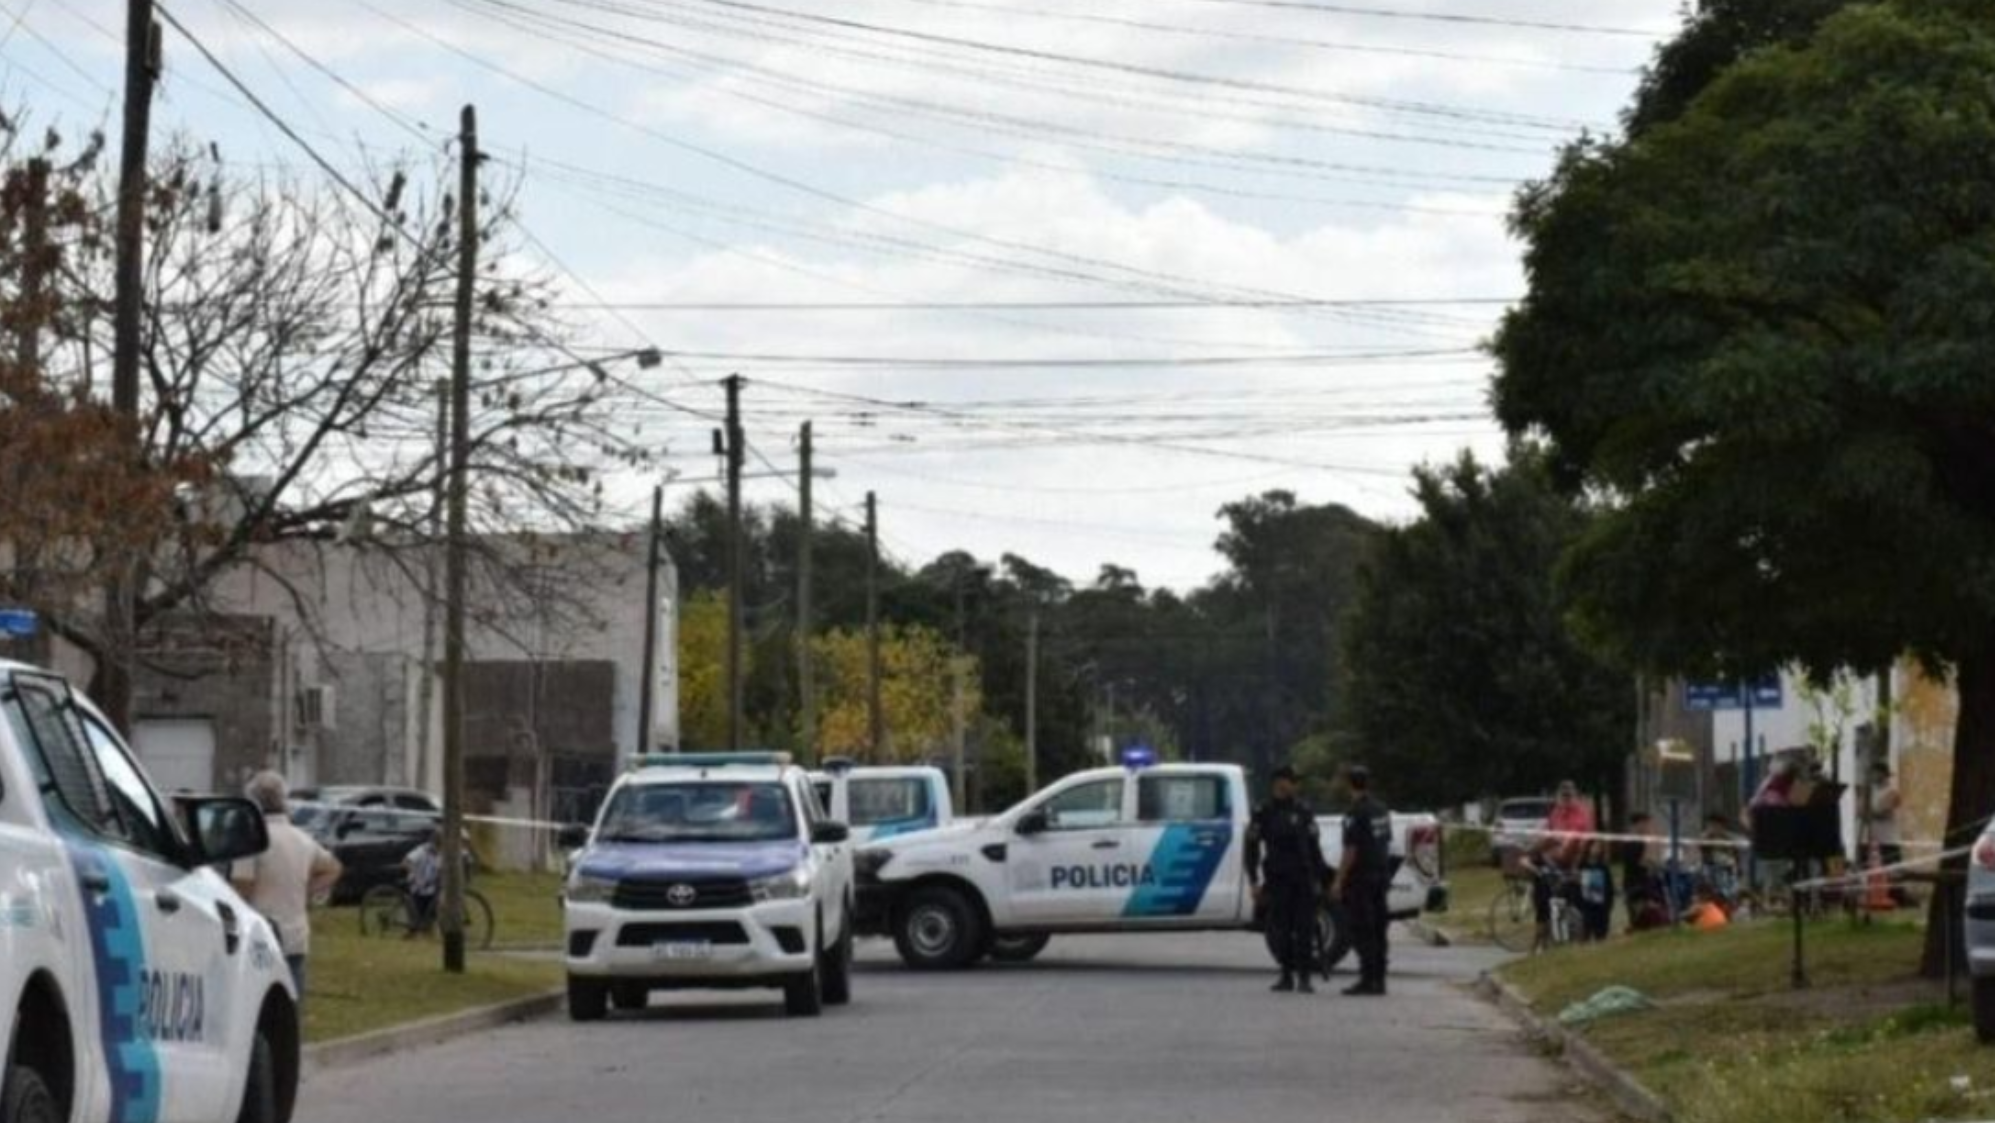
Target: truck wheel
938,929
803,995
837,968
259,1093
630,996
1019,948
1984,1009
27,1099
588,1000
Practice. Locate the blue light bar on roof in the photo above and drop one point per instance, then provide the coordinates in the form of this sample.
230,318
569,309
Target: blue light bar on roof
709,760
1138,756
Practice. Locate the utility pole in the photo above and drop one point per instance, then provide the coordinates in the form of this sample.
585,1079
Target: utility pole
142,55
876,723
34,266
454,560
958,662
806,674
735,550
433,591
1032,701
648,686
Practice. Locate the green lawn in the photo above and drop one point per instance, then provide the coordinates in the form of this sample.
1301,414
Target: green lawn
360,983
1731,1042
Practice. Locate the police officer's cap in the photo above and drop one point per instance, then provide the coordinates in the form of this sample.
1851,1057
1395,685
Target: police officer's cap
1287,772
1358,775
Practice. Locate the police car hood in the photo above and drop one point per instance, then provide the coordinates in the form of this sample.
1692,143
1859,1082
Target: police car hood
953,831
621,861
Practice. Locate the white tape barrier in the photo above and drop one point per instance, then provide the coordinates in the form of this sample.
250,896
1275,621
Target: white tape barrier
529,824
1858,877
1686,841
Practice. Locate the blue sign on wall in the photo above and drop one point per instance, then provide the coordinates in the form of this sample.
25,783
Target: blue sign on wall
19,623
1765,694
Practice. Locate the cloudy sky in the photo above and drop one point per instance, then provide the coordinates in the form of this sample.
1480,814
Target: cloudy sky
1052,278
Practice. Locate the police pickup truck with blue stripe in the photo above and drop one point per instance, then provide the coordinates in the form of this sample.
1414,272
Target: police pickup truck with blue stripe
1133,849
709,870
136,986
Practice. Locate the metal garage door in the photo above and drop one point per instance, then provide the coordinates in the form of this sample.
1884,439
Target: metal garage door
178,752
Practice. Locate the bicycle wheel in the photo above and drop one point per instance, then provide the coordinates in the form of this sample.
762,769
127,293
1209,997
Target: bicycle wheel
385,909
1513,924
477,921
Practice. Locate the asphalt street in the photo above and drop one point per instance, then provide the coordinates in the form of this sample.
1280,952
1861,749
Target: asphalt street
1106,1029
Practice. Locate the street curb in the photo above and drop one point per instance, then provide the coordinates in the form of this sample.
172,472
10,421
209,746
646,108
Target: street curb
1629,1094
346,1052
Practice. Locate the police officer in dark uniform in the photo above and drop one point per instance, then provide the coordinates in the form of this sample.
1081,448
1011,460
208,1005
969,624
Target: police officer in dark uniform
1285,867
1363,879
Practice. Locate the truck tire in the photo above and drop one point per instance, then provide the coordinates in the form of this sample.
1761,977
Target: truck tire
1983,1001
837,967
938,929
1019,948
803,995
588,999
630,996
259,1093
27,1099
1331,946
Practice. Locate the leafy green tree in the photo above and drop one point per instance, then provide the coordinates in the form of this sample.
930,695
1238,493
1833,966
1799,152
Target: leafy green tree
1762,335
1463,678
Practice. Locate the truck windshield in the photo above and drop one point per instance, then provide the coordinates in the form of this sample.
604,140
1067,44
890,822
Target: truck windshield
883,800
702,812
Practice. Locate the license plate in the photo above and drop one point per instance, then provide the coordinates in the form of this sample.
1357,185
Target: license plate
682,951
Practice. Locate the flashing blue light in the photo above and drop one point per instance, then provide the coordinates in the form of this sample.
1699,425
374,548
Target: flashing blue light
20,623
1138,756
710,760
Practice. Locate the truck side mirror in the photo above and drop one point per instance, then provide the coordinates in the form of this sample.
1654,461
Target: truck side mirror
572,836
828,834
224,830
1033,822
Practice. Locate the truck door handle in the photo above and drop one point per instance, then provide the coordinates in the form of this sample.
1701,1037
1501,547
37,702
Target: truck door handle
96,881
167,901
1107,844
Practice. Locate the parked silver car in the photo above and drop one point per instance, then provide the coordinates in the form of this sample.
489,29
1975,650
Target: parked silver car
1979,922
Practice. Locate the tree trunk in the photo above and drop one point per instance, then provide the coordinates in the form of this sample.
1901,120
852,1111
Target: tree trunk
1972,801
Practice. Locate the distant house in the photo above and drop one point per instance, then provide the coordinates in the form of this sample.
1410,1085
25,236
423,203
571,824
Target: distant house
321,659
1854,720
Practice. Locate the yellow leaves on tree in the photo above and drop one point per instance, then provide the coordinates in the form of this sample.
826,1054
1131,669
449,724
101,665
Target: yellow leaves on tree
703,670
916,693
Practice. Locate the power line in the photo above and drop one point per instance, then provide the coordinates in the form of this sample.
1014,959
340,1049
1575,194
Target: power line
1032,305
1439,17
1320,358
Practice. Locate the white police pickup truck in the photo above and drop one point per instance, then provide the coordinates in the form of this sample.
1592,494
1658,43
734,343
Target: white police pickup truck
709,871
136,986
883,801
1152,849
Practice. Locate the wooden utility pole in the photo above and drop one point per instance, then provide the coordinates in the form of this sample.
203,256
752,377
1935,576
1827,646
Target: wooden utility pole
647,687
454,557
34,267
956,686
736,550
142,54
1032,702
418,776
876,722
806,673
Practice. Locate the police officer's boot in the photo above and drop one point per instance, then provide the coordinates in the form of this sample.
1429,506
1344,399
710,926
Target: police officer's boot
1304,985
1287,982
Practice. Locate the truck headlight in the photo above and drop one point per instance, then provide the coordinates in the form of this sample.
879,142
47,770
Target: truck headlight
785,886
585,890
869,863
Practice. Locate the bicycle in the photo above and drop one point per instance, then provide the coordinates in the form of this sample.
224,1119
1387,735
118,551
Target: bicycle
1513,916
391,908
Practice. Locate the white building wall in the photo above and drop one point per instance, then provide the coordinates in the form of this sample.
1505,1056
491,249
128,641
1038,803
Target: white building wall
353,599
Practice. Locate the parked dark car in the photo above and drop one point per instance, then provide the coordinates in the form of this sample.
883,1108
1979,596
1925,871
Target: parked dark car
367,795
369,841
